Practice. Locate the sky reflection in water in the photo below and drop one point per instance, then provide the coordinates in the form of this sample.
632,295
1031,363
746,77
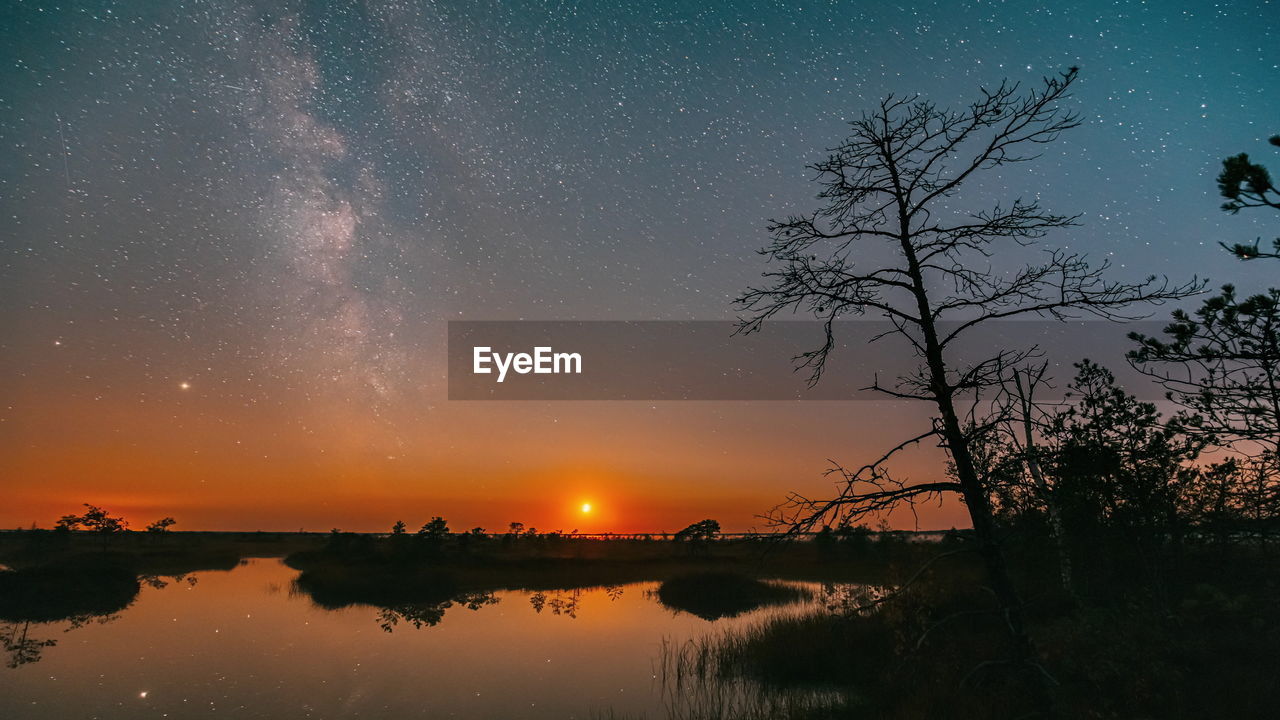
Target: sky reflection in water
243,643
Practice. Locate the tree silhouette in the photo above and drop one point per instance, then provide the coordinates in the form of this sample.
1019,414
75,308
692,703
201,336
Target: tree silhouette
99,520
698,536
890,191
95,519
66,523
513,533
1246,184
1016,455
437,529
161,526
701,531
1118,467
1222,364
433,535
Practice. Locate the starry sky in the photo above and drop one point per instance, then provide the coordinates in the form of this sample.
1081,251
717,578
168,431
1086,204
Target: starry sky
233,232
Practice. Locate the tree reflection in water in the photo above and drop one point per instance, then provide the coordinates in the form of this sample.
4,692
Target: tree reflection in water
21,648
69,596
160,582
567,602
420,615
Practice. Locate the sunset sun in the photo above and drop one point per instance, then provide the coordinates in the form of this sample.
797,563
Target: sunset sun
586,508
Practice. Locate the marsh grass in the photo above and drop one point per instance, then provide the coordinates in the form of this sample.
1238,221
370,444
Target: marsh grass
706,678
933,652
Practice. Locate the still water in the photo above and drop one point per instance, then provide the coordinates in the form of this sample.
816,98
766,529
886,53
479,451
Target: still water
243,644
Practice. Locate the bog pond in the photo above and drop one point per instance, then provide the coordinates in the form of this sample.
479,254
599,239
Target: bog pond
247,643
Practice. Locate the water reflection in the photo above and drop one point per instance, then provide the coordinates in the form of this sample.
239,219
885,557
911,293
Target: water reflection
420,615
252,641
160,582
49,593
33,600
850,599
717,595
694,682
417,595
69,593
22,648
568,602
19,647
424,614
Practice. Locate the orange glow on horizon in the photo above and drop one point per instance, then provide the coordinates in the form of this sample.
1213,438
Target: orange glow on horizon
215,461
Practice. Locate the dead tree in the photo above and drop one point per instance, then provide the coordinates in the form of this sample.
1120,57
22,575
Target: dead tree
890,190
1026,419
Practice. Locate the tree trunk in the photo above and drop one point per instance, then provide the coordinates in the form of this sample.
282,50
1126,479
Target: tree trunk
979,505
975,494
1056,525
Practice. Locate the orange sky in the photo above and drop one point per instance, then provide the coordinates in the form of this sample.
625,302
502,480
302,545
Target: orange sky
145,447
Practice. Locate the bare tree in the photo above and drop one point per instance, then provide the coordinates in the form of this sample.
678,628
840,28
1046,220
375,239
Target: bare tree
1021,438
890,188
